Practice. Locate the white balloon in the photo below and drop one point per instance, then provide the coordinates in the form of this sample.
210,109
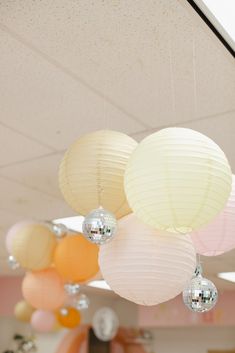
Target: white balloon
105,324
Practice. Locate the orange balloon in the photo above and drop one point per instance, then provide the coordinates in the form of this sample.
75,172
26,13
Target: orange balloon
44,289
69,317
76,259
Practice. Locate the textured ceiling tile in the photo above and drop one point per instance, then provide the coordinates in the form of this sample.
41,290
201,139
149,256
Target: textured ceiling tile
41,101
41,174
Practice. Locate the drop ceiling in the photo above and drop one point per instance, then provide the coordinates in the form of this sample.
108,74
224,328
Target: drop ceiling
68,67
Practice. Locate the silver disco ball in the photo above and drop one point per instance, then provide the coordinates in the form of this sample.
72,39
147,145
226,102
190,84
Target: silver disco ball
99,226
201,294
60,230
72,288
12,263
82,302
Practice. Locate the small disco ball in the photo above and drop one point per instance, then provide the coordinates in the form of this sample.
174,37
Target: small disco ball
99,226
60,230
201,295
12,263
82,302
72,288
64,311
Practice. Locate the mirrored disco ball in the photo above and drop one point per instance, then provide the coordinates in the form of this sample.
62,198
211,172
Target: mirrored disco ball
201,294
99,226
12,263
60,230
72,288
82,302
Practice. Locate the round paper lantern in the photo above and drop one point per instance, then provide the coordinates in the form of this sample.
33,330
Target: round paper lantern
147,266
23,311
219,236
105,324
44,289
92,171
177,180
13,231
43,321
33,247
69,317
76,259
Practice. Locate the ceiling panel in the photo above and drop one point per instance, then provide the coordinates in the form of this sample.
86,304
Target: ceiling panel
150,58
16,147
40,174
41,101
28,202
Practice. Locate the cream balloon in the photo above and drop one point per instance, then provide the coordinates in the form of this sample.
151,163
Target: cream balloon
177,180
92,172
33,247
23,311
147,266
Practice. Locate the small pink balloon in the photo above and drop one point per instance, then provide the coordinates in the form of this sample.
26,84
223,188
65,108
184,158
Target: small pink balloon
13,231
43,321
219,236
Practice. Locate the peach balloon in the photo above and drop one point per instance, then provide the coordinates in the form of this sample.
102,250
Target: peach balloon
219,236
44,289
69,317
33,246
23,311
76,259
43,321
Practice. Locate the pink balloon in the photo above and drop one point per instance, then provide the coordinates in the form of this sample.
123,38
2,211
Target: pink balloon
43,321
13,231
219,236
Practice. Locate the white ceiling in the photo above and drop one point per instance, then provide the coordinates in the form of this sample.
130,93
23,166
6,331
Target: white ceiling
72,66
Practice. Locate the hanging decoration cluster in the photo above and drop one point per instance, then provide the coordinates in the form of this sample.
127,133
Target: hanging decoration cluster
57,263
176,181
150,207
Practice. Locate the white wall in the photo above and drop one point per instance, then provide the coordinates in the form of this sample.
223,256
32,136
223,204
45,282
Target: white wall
193,340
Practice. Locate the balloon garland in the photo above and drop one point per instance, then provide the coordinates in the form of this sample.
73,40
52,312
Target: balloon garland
145,205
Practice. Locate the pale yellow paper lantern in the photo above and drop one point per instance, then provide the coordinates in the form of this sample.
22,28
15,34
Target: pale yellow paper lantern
33,247
23,311
177,180
92,172
147,266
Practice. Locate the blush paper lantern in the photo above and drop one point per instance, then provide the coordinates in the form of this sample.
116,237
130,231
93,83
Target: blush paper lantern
92,171
43,289
43,321
147,266
33,247
76,259
219,236
177,180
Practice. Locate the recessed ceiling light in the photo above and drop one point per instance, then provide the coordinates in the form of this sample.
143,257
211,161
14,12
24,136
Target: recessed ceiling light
228,276
221,14
101,284
72,223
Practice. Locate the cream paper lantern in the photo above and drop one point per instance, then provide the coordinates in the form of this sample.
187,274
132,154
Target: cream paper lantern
147,266
92,172
177,180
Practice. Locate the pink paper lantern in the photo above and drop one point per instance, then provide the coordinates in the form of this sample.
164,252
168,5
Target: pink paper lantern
43,321
219,236
13,231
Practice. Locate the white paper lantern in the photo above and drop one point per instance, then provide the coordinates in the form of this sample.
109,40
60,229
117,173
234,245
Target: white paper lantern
177,180
147,266
105,324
